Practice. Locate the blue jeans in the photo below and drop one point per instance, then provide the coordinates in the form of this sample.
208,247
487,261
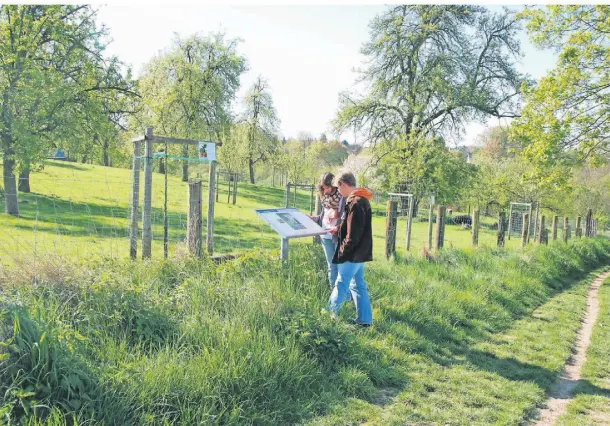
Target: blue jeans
329,247
352,274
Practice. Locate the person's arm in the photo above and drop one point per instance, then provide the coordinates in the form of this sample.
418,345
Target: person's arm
317,218
355,229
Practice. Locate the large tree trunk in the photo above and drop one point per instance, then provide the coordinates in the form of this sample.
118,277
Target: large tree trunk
251,167
11,203
185,164
106,158
24,180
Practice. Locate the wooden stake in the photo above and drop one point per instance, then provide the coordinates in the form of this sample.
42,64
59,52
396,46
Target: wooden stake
525,229
210,220
501,222
194,219
135,199
475,228
147,207
440,228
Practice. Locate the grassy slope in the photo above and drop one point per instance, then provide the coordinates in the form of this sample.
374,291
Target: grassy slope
474,338
82,210
591,403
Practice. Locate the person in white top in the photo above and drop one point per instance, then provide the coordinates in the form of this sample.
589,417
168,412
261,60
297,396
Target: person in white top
333,205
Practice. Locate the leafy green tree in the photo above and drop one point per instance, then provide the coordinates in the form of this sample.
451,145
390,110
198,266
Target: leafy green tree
49,59
569,109
262,123
187,90
431,69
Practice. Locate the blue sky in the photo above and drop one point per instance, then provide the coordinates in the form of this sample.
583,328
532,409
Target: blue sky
307,53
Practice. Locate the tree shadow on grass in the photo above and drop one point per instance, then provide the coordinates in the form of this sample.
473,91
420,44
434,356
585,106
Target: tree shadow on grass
65,165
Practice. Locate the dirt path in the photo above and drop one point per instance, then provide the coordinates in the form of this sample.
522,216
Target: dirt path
563,388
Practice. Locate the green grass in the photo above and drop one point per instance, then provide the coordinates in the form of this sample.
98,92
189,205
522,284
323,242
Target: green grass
82,211
591,403
475,337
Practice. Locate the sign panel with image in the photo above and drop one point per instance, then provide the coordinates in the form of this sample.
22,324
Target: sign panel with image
290,223
206,151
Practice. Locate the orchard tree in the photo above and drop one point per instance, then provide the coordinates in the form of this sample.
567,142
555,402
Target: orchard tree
262,124
187,90
431,69
50,57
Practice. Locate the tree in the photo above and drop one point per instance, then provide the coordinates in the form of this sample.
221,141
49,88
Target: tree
49,57
569,109
430,70
187,90
304,136
494,144
323,138
262,124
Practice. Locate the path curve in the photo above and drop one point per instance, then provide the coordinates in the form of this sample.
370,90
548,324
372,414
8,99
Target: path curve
563,389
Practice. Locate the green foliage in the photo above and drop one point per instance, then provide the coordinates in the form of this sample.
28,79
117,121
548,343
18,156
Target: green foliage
40,369
568,109
57,87
187,89
430,169
432,69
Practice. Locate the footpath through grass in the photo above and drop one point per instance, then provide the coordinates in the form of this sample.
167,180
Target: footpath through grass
591,402
475,337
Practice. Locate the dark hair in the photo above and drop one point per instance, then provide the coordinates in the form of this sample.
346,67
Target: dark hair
345,177
325,179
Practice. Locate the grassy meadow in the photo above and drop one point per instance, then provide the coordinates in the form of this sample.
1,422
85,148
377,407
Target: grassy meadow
475,337
82,211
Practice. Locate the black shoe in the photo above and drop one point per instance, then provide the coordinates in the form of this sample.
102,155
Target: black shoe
360,324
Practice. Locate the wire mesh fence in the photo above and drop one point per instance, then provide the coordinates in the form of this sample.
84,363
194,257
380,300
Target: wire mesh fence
77,212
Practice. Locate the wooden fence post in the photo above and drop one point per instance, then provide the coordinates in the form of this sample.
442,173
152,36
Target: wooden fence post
409,222
287,194
430,226
147,205
390,229
501,221
525,229
510,221
554,227
194,219
210,221
311,199
578,227
217,186
135,199
589,224
440,228
475,227
565,229
541,231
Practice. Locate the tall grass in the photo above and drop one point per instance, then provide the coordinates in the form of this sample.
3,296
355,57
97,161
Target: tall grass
248,342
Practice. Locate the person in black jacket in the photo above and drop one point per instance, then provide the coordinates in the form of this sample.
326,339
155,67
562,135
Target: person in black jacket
355,246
